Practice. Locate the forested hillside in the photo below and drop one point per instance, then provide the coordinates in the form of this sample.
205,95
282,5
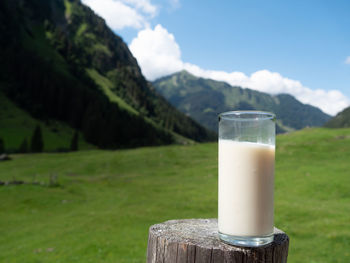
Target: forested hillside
341,120
203,99
60,61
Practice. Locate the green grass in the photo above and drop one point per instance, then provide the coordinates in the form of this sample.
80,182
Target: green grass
82,29
106,85
16,125
68,7
108,199
98,47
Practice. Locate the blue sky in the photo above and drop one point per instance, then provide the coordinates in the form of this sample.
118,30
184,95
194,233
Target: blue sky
297,47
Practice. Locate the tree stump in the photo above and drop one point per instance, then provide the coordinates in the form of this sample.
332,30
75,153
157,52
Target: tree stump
196,240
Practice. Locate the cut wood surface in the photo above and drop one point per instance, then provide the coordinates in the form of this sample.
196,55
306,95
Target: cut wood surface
197,241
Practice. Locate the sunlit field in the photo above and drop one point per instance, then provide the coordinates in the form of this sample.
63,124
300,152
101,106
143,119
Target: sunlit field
98,205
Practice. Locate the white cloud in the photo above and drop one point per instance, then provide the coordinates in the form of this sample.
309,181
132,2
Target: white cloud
347,60
158,54
143,5
124,13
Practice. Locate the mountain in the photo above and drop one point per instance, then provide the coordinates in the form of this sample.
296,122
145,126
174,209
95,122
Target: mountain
17,126
341,120
59,61
203,99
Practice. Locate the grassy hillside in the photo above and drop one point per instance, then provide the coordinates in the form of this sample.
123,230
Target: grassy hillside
203,99
107,199
341,120
106,85
60,61
17,125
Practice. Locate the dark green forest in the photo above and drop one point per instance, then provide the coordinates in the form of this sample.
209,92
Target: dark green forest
49,50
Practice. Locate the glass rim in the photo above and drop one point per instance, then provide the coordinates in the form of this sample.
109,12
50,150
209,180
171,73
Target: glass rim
247,115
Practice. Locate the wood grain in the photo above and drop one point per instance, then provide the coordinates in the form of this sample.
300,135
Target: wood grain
197,241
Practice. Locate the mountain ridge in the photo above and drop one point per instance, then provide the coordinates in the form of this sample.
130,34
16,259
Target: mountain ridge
341,120
203,99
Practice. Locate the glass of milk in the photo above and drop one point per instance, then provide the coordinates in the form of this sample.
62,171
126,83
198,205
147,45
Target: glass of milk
246,177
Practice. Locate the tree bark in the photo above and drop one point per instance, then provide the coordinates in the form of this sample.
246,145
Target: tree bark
197,241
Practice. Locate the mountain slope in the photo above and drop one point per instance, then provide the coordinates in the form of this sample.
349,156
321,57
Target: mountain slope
60,61
17,126
341,120
204,99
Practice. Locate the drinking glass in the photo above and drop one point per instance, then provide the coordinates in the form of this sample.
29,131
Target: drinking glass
246,177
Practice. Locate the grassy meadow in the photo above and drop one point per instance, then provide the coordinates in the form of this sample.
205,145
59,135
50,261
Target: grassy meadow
106,200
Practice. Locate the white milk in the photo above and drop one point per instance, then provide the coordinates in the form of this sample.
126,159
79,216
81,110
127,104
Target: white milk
246,181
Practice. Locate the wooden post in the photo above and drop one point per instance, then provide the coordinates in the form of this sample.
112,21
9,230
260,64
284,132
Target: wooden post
197,241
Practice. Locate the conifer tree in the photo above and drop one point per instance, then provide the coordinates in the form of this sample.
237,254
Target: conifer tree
2,146
23,148
74,142
37,143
